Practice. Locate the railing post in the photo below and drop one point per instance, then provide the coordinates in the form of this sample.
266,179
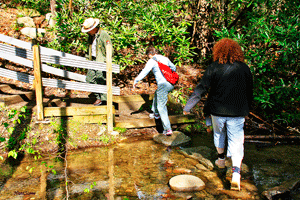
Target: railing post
109,87
38,82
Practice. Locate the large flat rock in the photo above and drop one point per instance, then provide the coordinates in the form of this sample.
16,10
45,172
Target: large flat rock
177,139
186,183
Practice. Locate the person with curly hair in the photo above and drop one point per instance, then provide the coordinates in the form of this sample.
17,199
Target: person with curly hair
229,84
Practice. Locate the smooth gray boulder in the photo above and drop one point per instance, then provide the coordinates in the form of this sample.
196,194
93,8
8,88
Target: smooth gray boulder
186,183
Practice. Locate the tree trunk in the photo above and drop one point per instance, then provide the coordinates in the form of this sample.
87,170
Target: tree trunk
71,7
52,7
200,31
226,13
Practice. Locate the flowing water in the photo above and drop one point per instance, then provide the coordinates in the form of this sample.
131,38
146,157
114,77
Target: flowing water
139,170
271,164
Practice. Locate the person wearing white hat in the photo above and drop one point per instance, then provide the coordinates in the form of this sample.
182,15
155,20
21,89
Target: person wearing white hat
97,42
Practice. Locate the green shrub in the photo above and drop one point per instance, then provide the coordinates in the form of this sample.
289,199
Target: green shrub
133,25
268,32
269,35
41,6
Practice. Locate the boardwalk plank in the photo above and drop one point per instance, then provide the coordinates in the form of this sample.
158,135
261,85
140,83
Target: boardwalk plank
75,111
147,122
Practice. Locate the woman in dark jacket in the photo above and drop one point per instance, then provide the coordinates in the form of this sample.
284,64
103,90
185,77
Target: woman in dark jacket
229,83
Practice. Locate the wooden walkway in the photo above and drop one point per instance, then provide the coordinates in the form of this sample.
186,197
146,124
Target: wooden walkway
124,111
130,111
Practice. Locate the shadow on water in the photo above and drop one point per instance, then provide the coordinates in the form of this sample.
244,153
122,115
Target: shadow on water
60,161
274,166
130,170
141,169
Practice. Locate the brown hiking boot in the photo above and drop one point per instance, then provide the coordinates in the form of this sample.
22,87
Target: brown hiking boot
220,163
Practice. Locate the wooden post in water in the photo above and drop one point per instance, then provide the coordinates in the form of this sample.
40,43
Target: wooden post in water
38,82
110,124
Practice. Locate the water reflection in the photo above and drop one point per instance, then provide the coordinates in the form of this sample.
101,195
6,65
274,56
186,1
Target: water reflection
111,173
272,165
139,170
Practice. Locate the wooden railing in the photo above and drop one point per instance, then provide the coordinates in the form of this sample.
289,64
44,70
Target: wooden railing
37,57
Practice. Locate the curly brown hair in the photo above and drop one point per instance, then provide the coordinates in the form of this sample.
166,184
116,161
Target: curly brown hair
227,50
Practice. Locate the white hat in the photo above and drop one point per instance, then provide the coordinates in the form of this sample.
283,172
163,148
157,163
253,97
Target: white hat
89,24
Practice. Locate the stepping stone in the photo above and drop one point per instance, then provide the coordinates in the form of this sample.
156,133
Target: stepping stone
186,183
177,139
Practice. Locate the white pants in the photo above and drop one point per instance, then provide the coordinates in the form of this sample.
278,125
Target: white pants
234,128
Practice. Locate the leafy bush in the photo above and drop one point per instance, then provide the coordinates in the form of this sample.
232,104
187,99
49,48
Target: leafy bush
41,6
268,31
269,34
133,25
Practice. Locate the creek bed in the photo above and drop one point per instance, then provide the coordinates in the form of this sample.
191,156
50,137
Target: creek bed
141,169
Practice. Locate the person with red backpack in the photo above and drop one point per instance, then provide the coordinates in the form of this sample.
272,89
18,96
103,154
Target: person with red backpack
159,105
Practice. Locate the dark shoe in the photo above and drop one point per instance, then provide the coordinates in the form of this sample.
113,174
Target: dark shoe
98,102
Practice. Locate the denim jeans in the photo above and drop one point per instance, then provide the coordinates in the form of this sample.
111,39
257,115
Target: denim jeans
234,128
159,104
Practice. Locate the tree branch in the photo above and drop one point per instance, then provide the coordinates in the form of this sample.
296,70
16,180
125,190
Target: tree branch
245,9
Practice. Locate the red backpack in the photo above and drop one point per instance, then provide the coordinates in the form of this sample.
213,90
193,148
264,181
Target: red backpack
171,76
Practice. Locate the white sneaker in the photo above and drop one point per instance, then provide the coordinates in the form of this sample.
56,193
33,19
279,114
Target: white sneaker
236,181
152,116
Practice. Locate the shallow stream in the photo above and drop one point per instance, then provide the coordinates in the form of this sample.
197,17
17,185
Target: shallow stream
141,169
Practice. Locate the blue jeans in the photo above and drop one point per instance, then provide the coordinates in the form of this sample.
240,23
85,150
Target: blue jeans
234,128
159,105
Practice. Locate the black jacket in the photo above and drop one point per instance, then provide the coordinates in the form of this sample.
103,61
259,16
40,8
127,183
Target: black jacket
229,87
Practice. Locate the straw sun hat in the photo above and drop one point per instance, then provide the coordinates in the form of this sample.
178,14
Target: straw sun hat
89,24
